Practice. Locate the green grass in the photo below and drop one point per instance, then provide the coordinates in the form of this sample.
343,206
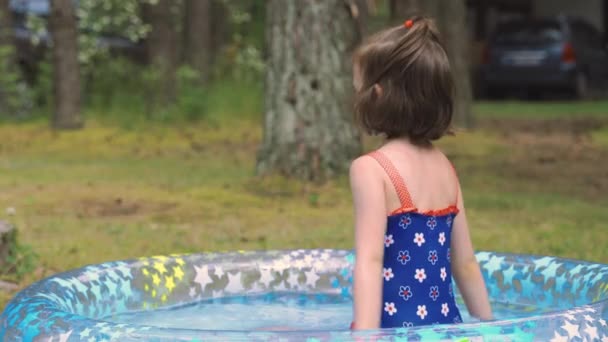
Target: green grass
111,192
600,137
541,110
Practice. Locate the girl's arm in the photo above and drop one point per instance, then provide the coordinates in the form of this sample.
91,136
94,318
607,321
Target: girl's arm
370,225
466,269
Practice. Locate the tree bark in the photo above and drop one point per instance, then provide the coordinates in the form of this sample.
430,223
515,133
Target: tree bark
197,32
308,128
220,28
66,68
452,23
400,10
9,60
362,13
6,23
162,47
8,241
450,17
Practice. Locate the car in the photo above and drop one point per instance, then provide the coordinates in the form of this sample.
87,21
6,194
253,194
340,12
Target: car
556,53
30,53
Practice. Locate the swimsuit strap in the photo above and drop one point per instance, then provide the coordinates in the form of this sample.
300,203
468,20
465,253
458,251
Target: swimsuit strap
396,179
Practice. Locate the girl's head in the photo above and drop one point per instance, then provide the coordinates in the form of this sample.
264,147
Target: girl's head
403,83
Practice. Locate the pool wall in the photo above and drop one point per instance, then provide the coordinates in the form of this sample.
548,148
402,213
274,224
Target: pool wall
78,305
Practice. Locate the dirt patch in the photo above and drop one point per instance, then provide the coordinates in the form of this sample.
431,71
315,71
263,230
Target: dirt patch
118,207
558,154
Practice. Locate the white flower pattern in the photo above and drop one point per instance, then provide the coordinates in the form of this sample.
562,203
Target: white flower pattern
420,274
388,240
418,287
390,308
431,222
422,311
441,238
445,309
419,239
388,274
405,221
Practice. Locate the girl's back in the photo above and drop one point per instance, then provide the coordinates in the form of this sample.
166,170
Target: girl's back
428,174
417,287
411,232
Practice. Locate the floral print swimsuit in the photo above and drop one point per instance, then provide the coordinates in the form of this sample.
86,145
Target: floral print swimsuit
417,278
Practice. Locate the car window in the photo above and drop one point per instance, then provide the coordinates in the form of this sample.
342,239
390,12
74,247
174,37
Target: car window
529,33
35,7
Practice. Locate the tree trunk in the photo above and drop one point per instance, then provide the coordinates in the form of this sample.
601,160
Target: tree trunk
8,60
453,26
221,30
400,10
162,47
308,128
197,32
66,69
8,241
6,23
450,17
362,13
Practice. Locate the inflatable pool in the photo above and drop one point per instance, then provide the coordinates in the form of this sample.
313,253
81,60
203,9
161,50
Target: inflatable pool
302,295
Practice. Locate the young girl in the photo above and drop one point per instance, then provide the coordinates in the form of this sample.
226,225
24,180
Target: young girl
411,230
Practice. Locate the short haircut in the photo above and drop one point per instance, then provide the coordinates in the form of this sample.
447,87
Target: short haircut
411,66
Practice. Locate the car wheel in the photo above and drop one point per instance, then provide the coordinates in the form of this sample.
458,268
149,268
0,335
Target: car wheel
581,86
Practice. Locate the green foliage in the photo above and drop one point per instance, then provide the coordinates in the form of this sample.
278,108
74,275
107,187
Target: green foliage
116,84
20,262
118,18
313,199
242,58
43,88
123,91
15,94
38,28
192,97
120,90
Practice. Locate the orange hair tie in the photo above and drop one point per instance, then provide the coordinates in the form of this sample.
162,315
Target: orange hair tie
408,23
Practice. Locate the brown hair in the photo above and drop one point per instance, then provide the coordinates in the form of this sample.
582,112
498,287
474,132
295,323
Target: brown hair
411,66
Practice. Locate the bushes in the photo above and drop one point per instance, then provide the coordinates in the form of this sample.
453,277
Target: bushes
121,91
16,100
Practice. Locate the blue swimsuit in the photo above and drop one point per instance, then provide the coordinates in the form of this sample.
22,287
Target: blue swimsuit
417,278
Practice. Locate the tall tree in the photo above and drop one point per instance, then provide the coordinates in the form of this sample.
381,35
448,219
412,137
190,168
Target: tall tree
452,22
162,46
400,9
8,63
308,128
197,40
66,69
450,17
220,24
6,23
362,11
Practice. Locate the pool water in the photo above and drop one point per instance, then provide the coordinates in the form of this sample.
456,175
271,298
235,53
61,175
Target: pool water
286,311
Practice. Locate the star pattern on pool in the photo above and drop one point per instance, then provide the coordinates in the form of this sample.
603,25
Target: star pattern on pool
80,302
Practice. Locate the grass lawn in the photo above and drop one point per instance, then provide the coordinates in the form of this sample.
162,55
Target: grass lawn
113,192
